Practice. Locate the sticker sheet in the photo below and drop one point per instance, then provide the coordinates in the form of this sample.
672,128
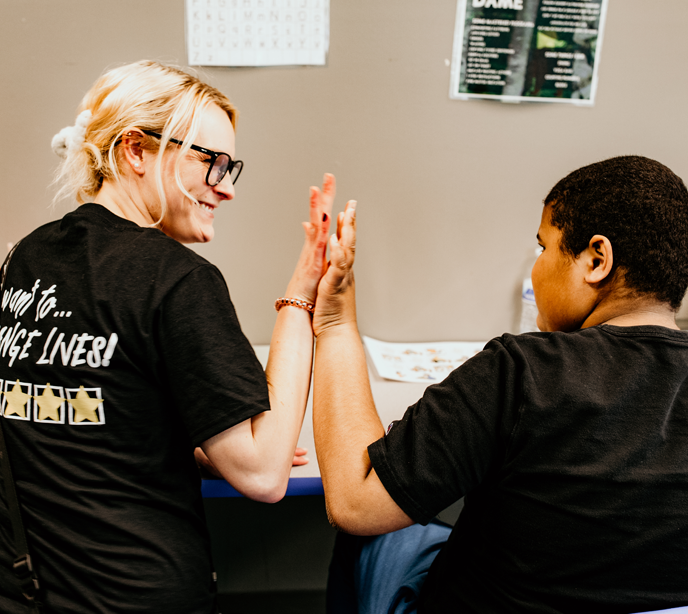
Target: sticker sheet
420,362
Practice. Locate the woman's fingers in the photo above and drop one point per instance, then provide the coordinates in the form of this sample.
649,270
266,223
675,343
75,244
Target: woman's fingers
300,457
313,263
315,208
322,200
329,191
318,226
321,204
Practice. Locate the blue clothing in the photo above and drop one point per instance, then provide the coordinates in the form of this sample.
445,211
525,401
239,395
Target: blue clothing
383,574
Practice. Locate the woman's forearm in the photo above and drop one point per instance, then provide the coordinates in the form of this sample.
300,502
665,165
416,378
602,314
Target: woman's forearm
288,374
256,455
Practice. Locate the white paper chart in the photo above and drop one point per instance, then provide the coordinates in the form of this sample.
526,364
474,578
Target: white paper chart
420,362
257,32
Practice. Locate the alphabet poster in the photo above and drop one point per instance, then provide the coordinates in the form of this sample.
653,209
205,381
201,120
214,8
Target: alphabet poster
257,32
518,50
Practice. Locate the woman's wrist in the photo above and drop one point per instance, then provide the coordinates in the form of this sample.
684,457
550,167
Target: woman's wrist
286,301
298,291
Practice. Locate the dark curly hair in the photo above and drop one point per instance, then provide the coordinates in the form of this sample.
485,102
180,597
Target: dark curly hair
642,208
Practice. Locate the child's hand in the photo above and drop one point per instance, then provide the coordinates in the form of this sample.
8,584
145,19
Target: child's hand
336,303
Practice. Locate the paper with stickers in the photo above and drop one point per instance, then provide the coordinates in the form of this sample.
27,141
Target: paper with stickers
419,362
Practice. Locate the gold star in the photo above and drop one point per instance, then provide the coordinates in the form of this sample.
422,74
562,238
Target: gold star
16,401
85,406
49,405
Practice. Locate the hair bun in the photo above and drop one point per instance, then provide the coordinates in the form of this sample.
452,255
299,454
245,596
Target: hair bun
71,137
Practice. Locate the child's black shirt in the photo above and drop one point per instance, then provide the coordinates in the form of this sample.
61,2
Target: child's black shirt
572,451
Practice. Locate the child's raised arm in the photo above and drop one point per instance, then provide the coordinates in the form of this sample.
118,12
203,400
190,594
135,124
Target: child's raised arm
345,421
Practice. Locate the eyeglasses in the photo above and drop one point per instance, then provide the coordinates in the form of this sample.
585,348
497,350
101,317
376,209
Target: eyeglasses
220,163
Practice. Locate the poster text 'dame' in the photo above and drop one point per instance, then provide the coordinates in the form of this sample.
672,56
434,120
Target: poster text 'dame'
515,50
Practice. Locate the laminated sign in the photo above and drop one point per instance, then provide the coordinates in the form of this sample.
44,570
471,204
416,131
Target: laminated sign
257,32
517,50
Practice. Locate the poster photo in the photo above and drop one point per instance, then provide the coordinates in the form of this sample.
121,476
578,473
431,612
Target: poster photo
527,50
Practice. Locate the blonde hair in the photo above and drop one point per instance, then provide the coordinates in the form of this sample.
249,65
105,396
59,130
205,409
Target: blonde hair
148,95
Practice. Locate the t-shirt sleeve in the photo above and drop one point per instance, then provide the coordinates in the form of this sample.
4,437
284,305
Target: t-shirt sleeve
448,442
214,377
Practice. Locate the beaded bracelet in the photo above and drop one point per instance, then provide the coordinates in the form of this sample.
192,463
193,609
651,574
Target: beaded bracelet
294,302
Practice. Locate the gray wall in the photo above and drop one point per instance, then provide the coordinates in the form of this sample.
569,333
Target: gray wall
449,192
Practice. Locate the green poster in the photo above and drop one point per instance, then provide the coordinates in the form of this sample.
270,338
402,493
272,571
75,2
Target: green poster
536,50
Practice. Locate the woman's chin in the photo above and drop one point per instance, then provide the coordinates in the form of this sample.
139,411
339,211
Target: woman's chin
204,226
202,234
208,234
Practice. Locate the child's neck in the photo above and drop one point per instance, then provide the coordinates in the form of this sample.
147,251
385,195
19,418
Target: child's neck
632,312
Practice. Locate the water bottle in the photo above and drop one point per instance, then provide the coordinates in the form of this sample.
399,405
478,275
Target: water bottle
529,310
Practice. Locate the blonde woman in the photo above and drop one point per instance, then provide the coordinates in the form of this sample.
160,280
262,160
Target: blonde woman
121,352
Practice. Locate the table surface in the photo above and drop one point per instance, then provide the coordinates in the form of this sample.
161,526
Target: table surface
391,400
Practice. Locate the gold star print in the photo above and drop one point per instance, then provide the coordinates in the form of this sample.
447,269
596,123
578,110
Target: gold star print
16,401
49,405
85,406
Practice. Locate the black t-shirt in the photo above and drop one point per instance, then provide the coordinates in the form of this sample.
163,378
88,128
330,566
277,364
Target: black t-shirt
120,351
572,451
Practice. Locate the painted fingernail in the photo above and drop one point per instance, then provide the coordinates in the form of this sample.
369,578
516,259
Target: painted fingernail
324,217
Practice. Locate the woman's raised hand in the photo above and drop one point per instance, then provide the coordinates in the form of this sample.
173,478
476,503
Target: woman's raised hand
336,302
312,262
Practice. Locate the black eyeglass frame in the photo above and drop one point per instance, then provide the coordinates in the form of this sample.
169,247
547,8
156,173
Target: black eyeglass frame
208,152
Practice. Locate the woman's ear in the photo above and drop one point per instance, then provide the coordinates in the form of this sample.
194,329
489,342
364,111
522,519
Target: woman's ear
132,150
599,259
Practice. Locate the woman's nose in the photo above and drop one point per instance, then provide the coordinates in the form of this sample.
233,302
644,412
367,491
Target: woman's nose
225,188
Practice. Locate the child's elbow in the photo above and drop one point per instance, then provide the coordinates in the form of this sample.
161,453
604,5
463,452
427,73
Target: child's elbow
344,516
364,515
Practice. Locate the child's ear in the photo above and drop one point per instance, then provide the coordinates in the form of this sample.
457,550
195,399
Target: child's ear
599,259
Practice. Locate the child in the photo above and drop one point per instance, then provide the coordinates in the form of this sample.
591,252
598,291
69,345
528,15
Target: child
570,445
